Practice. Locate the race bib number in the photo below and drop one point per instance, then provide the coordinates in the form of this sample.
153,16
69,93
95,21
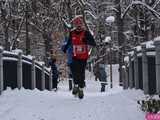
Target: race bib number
80,49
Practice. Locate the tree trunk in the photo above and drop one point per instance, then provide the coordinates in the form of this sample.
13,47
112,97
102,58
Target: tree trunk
7,43
47,40
28,42
69,9
120,24
5,26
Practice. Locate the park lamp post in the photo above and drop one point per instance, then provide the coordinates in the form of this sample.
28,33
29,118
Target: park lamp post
109,21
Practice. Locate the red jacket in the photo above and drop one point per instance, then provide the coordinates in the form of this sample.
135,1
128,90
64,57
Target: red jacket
80,40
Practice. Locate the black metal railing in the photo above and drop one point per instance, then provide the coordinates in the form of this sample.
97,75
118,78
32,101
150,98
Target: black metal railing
142,70
18,70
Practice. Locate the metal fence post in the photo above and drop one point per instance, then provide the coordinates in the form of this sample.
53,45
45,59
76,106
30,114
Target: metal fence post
33,74
124,77
70,80
43,77
127,77
130,73
1,70
157,58
145,70
50,80
19,71
136,70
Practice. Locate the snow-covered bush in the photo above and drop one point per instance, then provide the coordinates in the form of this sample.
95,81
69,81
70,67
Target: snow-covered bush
150,106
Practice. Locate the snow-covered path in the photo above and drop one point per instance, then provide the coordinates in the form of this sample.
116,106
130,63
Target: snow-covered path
114,104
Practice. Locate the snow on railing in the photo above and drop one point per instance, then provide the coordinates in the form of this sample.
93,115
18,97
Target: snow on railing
21,65
142,69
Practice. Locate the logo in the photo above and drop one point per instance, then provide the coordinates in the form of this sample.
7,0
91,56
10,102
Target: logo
152,116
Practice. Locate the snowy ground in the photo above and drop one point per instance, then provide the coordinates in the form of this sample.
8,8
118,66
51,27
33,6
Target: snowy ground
114,104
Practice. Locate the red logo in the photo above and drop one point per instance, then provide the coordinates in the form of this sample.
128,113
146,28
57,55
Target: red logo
152,116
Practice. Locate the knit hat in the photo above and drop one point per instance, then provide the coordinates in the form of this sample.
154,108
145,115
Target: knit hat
78,20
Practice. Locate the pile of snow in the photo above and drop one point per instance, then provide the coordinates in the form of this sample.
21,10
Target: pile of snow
157,38
131,53
150,44
107,39
138,48
114,104
30,57
110,19
17,51
9,52
1,48
126,59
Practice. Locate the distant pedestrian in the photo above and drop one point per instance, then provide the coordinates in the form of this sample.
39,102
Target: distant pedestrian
102,77
96,71
55,72
79,39
69,53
